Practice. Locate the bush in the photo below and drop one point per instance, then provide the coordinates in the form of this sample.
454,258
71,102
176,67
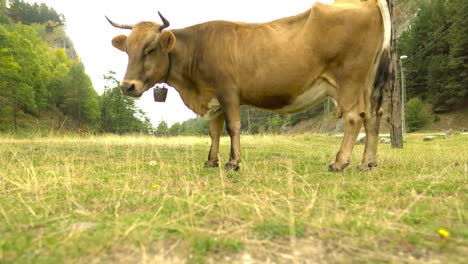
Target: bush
162,130
416,115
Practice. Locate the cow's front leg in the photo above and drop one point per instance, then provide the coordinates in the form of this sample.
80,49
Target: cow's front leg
216,127
231,108
352,125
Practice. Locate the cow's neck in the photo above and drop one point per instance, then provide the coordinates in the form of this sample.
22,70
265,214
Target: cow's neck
183,71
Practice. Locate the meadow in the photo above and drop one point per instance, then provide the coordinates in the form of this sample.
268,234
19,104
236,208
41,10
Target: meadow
136,199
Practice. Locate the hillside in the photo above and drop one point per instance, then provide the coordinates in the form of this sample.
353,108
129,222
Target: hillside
44,87
456,120
40,73
405,12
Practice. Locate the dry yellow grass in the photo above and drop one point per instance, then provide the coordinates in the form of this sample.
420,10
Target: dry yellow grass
144,199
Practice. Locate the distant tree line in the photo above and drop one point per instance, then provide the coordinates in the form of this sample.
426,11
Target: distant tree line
253,121
193,127
20,11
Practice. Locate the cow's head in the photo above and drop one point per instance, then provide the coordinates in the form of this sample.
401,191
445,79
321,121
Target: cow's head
147,48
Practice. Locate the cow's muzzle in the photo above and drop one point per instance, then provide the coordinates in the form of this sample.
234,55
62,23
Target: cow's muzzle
131,88
128,88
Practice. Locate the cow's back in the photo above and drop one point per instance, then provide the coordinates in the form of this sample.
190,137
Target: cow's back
273,63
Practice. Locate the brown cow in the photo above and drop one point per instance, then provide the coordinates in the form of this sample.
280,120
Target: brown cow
287,65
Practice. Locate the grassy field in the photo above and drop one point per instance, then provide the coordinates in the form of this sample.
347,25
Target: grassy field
149,200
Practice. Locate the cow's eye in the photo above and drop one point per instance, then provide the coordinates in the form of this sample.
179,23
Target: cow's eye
150,51
151,48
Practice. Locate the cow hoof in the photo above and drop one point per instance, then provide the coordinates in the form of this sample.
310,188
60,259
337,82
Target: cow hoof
211,164
231,167
365,166
334,168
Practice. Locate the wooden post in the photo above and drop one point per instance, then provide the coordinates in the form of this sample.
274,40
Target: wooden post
393,87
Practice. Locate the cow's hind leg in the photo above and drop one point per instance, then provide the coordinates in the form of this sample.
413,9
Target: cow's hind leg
352,124
216,128
372,126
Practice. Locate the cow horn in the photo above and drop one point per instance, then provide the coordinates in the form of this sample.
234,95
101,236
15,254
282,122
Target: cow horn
122,26
165,22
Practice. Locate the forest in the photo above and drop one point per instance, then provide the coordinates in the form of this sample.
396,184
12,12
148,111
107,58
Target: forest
436,70
43,83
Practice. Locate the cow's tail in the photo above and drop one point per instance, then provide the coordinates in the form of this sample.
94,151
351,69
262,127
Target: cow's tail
383,69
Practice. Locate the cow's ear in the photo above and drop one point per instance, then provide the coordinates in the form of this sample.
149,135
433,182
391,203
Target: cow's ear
167,41
119,42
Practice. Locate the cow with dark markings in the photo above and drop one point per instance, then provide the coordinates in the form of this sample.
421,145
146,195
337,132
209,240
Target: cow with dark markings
287,65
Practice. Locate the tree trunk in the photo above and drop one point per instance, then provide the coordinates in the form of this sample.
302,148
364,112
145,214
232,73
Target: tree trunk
15,117
393,87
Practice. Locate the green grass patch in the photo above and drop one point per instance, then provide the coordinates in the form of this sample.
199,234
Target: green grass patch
274,230
202,246
143,199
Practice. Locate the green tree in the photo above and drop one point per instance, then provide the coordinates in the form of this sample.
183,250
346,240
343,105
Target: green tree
458,55
195,126
416,116
410,43
39,65
10,95
436,43
60,71
26,13
162,130
175,129
119,114
437,78
35,77
80,100
13,87
276,122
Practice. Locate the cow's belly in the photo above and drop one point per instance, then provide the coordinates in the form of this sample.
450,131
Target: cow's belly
311,97
315,94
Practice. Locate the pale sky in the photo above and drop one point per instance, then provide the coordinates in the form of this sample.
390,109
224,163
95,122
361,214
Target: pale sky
91,34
